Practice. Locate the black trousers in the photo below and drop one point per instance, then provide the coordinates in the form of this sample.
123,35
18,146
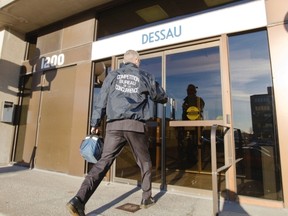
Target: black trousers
114,142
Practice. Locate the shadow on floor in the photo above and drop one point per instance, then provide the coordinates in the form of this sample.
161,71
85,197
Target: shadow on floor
13,168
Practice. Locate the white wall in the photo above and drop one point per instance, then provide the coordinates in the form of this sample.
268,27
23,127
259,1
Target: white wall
12,49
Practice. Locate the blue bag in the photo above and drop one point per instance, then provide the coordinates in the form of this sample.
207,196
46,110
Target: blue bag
91,148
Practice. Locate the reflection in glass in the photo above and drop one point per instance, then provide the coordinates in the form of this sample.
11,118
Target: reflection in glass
193,82
258,174
200,68
154,66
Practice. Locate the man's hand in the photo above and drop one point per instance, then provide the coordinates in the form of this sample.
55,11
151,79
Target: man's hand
95,130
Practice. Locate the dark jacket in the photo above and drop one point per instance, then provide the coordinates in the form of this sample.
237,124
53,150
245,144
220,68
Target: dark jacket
124,95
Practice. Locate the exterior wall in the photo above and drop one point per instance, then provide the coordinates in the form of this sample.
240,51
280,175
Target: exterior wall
12,52
72,41
278,41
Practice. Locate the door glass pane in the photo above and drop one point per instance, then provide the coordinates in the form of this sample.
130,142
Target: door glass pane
188,148
126,166
258,174
101,69
154,66
200,68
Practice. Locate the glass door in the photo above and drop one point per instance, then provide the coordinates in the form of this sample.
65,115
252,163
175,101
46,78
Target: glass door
254,117
126,168
192,79
193,83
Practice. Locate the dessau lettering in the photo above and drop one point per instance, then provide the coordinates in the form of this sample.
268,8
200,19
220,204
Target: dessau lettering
163,34
127,83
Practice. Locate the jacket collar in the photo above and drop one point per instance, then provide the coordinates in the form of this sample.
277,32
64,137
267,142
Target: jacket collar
131,64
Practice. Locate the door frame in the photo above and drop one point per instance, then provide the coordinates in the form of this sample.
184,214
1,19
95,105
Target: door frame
222,43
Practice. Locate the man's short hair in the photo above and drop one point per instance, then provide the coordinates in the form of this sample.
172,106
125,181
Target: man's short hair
131,56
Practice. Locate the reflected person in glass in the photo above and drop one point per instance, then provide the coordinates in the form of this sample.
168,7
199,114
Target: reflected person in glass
193,105
190,138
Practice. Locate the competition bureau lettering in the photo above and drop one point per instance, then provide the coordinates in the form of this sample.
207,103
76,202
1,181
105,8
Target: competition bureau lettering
127,83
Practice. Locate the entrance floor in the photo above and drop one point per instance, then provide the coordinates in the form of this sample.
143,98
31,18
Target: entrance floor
46,193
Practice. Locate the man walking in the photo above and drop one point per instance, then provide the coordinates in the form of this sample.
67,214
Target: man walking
124,99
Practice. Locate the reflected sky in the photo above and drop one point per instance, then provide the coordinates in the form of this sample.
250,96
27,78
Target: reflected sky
154,66
250,74
199,67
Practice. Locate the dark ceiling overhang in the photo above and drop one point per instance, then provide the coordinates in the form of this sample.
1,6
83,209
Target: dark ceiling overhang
25,16
28,16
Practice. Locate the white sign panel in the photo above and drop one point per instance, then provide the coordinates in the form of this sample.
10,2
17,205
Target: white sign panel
244,16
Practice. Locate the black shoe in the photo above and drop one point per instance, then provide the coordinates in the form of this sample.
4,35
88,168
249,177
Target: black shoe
75,207
146,203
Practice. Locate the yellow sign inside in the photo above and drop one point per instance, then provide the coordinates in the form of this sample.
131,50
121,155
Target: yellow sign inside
193,113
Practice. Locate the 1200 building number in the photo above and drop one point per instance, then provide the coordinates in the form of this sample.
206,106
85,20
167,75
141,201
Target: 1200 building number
53,61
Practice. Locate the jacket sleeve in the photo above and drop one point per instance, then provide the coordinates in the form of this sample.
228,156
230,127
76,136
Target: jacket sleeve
161,96
101,100
157,93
